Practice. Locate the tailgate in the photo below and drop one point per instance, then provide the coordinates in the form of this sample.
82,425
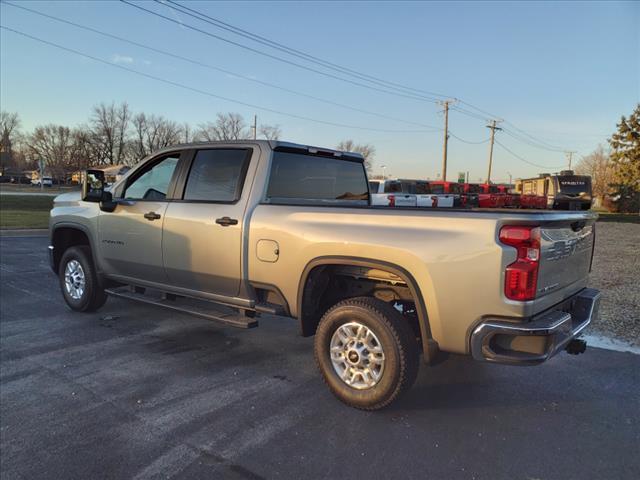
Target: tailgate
565,253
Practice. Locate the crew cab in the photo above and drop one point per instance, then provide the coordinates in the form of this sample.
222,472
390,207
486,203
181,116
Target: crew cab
231,231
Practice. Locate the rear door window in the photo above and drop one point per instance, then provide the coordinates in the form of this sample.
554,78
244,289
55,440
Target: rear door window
217,175
306,178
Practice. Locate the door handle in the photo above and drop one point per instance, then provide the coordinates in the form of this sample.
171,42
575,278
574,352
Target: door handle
152,216
226,221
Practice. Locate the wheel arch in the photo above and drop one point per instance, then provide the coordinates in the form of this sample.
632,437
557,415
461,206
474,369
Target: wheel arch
306,317
65,235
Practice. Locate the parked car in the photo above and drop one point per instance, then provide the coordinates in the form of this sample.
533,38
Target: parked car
389,193
280,228
486,195
45,181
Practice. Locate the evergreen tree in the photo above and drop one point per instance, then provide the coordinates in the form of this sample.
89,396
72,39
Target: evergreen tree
625,156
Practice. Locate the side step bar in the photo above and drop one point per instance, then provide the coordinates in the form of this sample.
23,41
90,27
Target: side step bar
200,308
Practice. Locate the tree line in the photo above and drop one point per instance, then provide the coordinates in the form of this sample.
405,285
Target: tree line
115,135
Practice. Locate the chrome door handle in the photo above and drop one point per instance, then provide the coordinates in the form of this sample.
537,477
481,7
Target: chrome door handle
152,216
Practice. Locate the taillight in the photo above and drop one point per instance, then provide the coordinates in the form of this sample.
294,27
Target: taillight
521,277
392,200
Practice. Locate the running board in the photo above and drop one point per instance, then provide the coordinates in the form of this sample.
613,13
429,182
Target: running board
200,308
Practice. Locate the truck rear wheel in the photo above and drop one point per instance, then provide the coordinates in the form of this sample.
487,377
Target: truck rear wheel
366,352
79,281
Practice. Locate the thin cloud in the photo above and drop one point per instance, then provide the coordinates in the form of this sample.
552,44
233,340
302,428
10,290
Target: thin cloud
117,58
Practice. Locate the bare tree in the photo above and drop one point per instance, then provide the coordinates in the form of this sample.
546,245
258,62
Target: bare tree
153,133
228,126
109,125
9,133
598,165
85,153
270,132
366,150
186,133
55,146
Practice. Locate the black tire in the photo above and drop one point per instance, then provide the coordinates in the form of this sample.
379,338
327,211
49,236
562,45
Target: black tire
93,297
396,338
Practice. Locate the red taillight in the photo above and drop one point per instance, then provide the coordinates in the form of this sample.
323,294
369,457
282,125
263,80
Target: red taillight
521,277
392,200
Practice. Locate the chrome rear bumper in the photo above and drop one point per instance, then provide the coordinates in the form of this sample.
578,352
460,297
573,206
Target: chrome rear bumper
533,342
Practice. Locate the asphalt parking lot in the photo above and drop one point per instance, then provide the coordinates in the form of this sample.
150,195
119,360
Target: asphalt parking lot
137,392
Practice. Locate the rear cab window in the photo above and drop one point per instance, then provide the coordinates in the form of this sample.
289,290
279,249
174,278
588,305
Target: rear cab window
301,178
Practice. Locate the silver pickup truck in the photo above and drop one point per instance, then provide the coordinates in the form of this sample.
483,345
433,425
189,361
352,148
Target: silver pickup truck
230,231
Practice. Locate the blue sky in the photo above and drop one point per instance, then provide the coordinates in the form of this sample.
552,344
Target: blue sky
564,72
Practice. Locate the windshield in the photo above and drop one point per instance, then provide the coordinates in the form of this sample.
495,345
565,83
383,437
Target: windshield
574,184
474,188
373,187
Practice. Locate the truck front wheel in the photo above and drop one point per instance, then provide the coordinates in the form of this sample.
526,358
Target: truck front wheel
79,280
366,352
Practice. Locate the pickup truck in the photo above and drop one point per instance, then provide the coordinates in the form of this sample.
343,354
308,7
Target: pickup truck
409,193
236,230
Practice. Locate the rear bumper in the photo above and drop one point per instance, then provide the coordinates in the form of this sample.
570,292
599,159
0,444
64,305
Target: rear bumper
533,342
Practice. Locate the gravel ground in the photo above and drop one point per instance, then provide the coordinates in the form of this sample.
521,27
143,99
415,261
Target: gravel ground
616,272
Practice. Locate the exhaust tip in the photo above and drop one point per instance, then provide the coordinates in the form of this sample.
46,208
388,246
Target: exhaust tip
576,346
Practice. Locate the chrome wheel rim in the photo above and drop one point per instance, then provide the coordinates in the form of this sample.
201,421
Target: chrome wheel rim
74,281
357,355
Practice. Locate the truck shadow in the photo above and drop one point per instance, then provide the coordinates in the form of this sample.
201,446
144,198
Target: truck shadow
462,383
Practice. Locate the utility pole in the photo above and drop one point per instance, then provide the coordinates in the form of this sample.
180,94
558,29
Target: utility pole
569,155
41,167
493,128
445,104
255,127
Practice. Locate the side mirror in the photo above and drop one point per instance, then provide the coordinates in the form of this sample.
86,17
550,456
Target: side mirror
108,204
93,185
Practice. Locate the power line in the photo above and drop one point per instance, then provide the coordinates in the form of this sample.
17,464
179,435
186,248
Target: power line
280,59
469,113
222,70
523,132
422,94
286,49
525,160
202,92
529,142
468,141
